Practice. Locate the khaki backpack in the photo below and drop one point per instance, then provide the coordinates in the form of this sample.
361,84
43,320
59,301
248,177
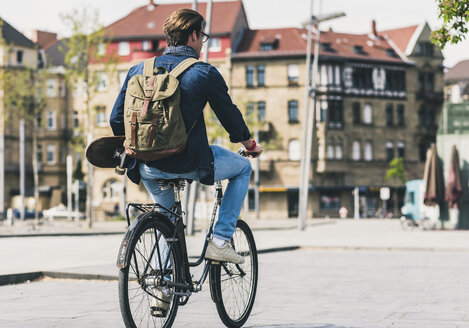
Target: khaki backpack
153,122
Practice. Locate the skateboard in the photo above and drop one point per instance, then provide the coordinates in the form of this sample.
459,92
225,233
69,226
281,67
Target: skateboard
107,152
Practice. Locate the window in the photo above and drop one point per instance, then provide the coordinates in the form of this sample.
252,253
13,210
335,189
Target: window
367,114
51,120
101,116
368,156
430,117
292,111
356,115
400,115
62,88
426,82
260,75
38,121
102,81
19,57
395,80
330,201
294,151
391,53
326,46
51,154
121,75
293,72
335,119
76,122
423,146
250,109
400,149
39,157
389,115
422,115
362,78
338,149
251,200
267,46
330,149
329,75
261,111
123,49
214,45
358,50
389,151
51,88
146,45
323,110
101,50
430,83
249,76
111,189
425,48
356,150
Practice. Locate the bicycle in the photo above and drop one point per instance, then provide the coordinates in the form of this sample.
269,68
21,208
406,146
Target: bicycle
153,259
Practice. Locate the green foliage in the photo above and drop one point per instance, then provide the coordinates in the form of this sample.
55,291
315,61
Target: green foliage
78,172
455,16
396,170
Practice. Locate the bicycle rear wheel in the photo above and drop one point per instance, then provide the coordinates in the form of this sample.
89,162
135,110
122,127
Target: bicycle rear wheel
143,280
233,286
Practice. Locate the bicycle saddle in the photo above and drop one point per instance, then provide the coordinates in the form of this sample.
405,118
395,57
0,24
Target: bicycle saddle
168,183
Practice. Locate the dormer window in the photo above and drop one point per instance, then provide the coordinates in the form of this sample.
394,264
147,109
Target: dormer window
326,46
358,50
391,53
268,43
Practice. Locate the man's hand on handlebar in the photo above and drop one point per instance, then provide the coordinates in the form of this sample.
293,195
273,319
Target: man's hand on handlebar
252,148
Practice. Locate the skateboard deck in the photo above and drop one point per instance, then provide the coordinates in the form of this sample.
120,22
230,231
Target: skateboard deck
105,152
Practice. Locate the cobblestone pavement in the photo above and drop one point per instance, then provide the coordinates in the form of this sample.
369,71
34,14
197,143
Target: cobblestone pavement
299,289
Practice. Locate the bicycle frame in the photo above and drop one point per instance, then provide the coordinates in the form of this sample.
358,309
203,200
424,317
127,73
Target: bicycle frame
187,285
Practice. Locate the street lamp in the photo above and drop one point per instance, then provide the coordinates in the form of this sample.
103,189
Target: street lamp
309,113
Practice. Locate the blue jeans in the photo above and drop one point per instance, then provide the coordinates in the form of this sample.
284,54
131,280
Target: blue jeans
228,165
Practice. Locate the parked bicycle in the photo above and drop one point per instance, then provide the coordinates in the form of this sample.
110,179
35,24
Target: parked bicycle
154,265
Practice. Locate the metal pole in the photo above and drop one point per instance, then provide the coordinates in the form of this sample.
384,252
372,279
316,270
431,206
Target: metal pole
77,201
89,188
356,199
303,202
2,172
69,187
256,181
191,213
22,170
123,196
208,21
194,5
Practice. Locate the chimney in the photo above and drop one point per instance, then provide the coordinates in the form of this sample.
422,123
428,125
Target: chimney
373,28
151,5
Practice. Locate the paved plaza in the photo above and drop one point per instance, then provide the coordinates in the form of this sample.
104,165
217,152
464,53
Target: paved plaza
344,274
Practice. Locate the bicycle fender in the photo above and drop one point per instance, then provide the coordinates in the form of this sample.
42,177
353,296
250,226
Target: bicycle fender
123,257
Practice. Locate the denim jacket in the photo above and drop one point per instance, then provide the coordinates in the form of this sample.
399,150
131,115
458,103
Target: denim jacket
199,84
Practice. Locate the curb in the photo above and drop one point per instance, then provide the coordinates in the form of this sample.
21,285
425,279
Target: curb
20,278
101,233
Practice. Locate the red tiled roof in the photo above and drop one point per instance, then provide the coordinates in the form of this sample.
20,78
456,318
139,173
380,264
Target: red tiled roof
292,42
400,36
142,22
458,72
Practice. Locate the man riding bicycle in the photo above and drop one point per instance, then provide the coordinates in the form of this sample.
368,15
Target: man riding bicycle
199,84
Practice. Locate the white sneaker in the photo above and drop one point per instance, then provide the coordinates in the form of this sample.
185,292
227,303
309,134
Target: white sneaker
224,253
159,306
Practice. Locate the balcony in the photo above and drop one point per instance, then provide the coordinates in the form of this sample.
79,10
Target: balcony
332,165
430,96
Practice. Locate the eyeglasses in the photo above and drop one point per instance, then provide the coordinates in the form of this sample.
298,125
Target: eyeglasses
205,36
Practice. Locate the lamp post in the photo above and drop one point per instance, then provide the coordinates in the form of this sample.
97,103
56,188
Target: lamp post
309,113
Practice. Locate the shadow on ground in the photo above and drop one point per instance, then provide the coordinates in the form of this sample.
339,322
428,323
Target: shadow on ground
298,325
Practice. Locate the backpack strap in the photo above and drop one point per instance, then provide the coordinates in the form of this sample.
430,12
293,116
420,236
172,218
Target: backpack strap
148,66
185,64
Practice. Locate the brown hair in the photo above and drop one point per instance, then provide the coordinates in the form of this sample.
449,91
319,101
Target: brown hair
180,24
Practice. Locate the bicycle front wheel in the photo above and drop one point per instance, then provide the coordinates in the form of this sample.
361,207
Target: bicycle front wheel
154,261
233,286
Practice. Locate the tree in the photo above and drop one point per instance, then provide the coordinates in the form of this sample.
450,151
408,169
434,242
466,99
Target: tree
84,50
24,99
396,170
455,16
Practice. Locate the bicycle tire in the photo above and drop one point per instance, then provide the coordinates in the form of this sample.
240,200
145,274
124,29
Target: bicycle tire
136,309
228,290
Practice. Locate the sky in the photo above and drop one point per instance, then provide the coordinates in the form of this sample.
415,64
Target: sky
45,15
